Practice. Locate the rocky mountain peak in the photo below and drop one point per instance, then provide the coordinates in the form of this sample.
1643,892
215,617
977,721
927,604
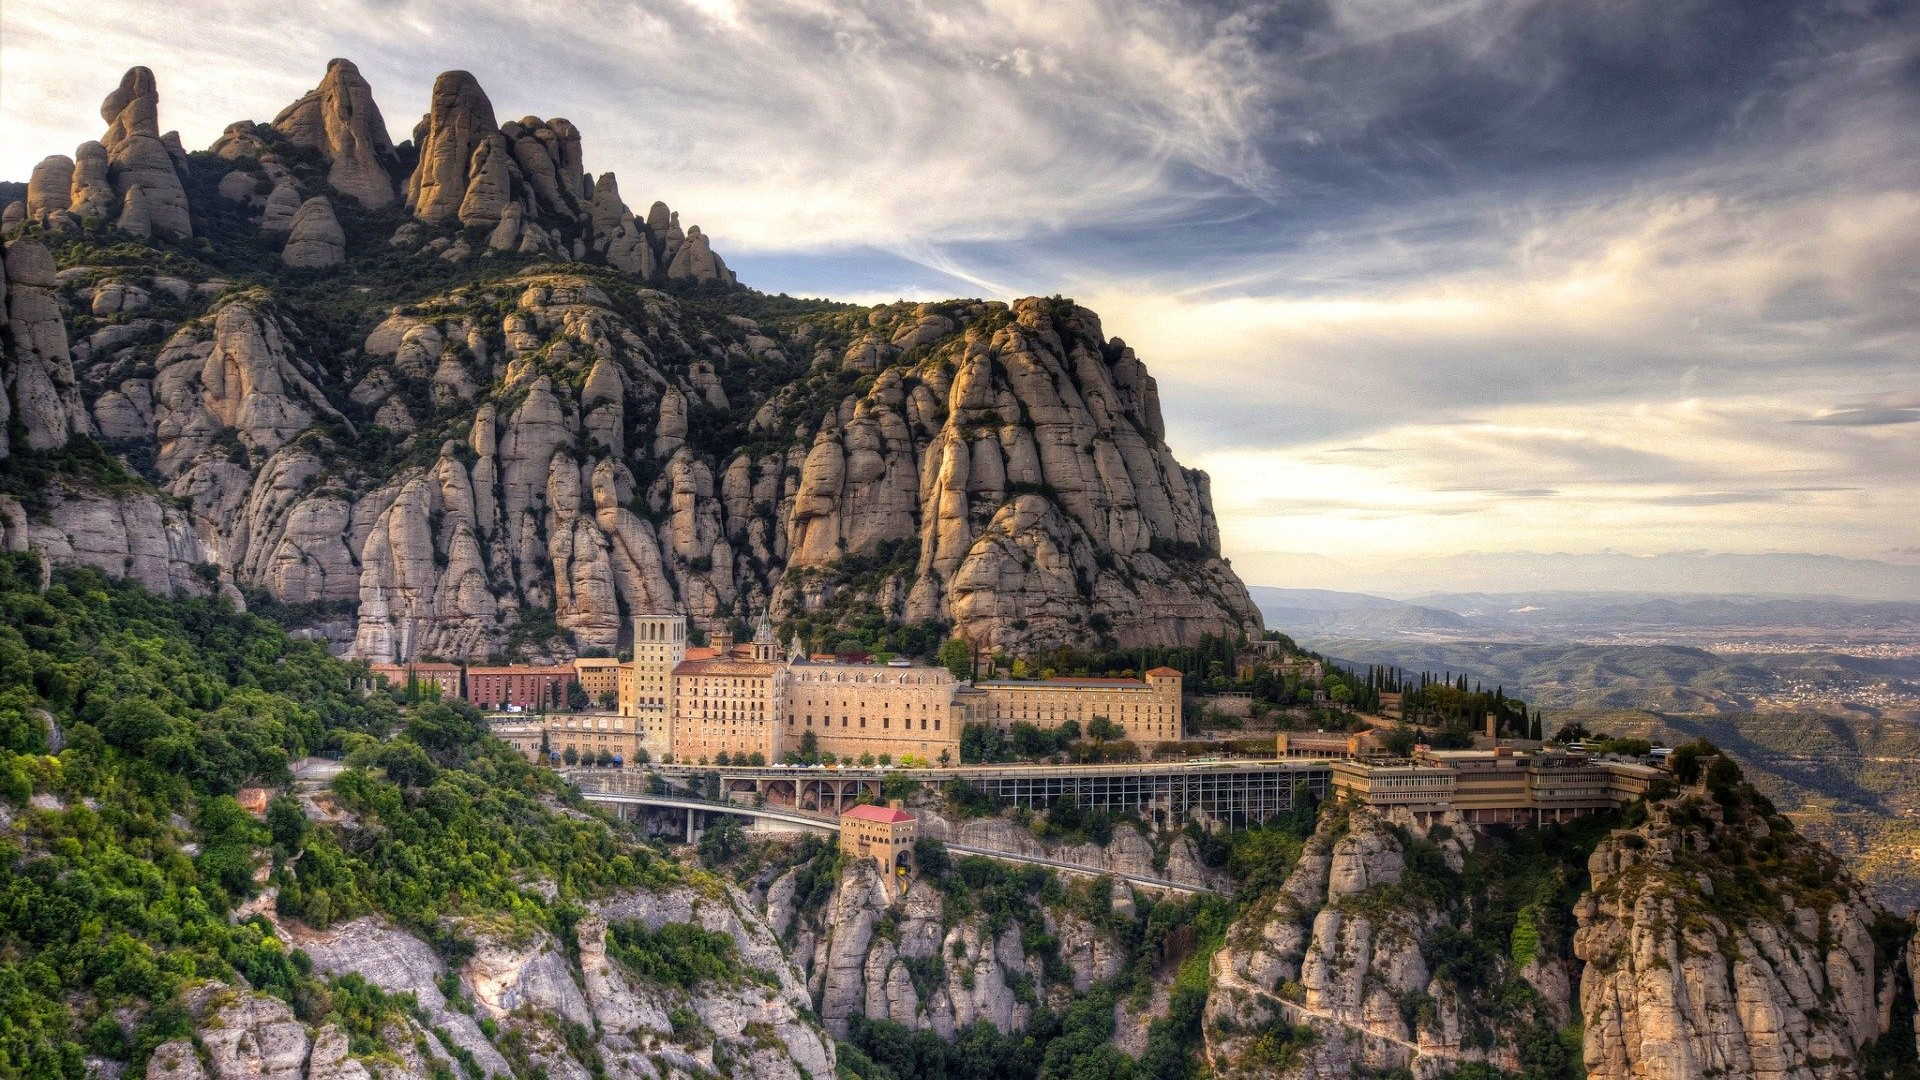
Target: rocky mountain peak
494,425
340,119
448,139
139,158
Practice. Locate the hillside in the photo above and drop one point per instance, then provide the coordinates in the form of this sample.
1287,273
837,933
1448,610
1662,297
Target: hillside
452,397
1672,678
440,909
412,918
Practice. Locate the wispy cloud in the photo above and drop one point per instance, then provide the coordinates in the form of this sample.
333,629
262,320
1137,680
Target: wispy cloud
1412,276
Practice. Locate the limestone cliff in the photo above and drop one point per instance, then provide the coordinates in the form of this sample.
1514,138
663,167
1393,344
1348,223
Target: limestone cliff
1363,962
1703,939
943,959
522,1001
1717,942
494,410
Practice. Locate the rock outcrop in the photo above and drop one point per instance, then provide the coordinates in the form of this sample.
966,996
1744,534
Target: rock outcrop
43,400
1316,978
314,237
340,119
1718,943
561,437
521,990
138,158
918,962
458,122
92,193
50,188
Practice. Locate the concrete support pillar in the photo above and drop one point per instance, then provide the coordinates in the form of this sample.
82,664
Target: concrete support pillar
690,812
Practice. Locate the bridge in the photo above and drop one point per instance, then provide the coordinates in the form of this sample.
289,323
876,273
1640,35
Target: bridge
596,789
1233,794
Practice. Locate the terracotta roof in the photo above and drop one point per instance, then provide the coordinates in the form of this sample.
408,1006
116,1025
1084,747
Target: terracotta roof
887,814
557,669
1167,671
699,652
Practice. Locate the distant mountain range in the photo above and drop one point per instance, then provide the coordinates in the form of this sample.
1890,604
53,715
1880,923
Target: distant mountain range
1564,615
1690,573
1628,650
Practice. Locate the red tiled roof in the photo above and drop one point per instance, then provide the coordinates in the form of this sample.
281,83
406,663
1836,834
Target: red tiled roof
1167,671
887,814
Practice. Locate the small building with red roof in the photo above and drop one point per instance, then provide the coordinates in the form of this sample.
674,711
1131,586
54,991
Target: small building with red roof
884,834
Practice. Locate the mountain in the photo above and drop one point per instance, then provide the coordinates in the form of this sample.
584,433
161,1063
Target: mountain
439,907
1312,612
1777,573
451,396
1570,613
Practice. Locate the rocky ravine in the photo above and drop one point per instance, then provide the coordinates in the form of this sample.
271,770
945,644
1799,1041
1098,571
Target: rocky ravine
524,1005
541,438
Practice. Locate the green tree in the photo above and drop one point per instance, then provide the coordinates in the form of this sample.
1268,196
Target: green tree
957,656
287,824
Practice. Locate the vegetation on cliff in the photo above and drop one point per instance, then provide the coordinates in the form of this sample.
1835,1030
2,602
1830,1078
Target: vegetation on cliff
128,722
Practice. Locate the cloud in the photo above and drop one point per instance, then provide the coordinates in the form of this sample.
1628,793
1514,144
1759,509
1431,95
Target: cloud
1864,417
1411,276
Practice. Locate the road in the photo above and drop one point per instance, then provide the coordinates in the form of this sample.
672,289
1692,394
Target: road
822,822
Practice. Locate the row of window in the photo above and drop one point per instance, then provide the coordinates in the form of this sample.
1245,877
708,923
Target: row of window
886,722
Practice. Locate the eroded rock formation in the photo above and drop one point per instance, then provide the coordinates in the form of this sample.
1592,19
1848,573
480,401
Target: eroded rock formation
340,119
563,439
1718,943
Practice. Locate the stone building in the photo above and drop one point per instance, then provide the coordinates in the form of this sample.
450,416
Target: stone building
726,705
1327,744
884,834
588,735
891,710
537,688
422,673
598,677
1500,786
1147,712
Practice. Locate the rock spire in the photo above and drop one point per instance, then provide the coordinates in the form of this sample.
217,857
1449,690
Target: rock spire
137,157
340,119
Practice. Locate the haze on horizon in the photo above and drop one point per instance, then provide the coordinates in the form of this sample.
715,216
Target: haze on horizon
1417,279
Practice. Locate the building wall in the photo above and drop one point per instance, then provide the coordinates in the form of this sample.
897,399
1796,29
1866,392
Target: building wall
527,687
856,709
1497,787
1147,712
445,676
645,684
727,707
597,676
881,841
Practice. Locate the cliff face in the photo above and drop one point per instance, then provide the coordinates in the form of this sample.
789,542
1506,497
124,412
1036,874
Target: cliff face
521,1005
1718,943
924,961
1359,962
1706,939
537,441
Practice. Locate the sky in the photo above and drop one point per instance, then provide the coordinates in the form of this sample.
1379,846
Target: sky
1419,279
